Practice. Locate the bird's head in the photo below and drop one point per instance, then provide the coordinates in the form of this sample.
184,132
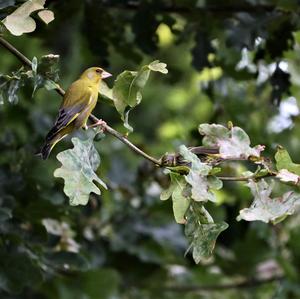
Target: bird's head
95,74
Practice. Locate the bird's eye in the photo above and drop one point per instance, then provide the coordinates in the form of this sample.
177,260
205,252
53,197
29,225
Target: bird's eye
99,71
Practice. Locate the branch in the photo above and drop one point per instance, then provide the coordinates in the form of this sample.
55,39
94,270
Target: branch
93,118
242,178
165,161
23,59
123,139
251,283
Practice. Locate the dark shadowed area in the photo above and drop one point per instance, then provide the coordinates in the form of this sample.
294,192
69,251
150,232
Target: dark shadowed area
222,223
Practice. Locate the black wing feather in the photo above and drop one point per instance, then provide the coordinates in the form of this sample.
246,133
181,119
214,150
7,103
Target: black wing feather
65,116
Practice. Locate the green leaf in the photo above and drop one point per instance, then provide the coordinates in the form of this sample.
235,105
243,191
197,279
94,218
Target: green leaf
289,177
5,214
17,271
50,85
10,85
46,16
215,170
47,73
179,200
20,21
196,163
157,66
202,232
126,92
106,93
78,170
198,177
212,133
46,77
63,260
6,3
232,143
101,283
214,182
284,161
267,209
34,64
166,194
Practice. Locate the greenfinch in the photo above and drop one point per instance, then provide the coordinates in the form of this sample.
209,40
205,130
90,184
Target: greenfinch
78,103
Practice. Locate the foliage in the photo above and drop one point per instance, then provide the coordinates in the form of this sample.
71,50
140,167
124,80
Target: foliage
78,166
226,65
126,92
268,209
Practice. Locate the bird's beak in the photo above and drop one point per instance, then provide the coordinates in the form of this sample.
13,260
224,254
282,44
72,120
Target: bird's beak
105,75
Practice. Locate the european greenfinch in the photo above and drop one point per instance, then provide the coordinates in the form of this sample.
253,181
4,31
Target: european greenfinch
78,103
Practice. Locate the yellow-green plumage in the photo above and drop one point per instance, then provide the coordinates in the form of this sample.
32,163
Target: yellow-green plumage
78,103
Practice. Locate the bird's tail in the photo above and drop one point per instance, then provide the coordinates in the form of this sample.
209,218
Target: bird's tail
52,138
49,144
45,150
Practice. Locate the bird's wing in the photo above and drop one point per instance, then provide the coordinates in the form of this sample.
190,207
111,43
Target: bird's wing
77,97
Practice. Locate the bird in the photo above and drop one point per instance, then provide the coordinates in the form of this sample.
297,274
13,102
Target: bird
78,103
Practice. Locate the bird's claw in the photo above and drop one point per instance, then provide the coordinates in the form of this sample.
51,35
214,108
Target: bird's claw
100,123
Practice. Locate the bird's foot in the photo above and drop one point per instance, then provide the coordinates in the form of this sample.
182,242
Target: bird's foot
100,123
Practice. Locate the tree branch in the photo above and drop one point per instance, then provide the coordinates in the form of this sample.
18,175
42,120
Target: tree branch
123,139
93,118
165,161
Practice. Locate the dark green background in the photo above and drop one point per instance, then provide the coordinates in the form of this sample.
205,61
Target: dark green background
126,244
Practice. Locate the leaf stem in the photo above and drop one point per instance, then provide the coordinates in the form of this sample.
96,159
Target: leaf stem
235,178
93,118
243,178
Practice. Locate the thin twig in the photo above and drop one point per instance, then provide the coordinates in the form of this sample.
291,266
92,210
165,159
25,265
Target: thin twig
23,59
93,118
243,178
14,51
123,139
235,178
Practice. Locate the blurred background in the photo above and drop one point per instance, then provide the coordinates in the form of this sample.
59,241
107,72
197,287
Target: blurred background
236,60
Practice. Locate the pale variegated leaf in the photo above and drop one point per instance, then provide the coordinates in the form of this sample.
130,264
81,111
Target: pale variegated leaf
20,21
78,171
267,209
232,143
202,232
198,177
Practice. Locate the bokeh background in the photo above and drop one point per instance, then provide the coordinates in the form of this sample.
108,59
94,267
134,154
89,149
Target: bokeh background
234,60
